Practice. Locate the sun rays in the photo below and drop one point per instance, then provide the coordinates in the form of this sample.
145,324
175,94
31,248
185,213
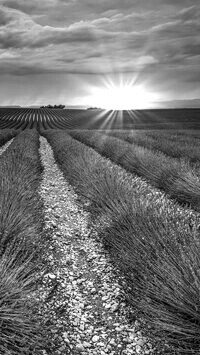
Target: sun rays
120,94
119,98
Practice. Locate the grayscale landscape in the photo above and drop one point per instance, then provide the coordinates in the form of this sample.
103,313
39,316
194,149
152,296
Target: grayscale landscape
99,177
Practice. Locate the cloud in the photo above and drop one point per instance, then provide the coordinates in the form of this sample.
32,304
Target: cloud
188,13
29,6
21,31
4,18
184,23
114,36
156,41
5,55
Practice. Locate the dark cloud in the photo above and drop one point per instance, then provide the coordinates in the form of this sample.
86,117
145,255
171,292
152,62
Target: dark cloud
158,39
189,13
4,19
21,31
29,6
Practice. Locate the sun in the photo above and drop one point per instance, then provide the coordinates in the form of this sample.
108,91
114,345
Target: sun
121,96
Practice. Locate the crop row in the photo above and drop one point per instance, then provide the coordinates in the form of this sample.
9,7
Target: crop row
174,145
171,175
44,118
34,118
20,245
22,118
153,241
6,135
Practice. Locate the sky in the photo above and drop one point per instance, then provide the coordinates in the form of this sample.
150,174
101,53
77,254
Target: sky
90,52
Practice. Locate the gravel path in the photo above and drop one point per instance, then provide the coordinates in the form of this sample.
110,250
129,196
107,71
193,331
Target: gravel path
5,146
82,299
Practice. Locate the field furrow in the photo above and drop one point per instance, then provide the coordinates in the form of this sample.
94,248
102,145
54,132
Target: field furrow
82,291
6,136
99,231
21,245
176,178
174,145
150,120
154,242
5,146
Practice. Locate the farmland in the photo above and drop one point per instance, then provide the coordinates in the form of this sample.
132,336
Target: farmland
100,228
21,118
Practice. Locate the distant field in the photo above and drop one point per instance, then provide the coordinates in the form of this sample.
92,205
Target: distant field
139,174
21,118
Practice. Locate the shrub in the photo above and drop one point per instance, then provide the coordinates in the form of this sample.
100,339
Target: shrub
21,224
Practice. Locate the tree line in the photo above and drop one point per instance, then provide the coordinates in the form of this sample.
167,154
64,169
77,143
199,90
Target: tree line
54,106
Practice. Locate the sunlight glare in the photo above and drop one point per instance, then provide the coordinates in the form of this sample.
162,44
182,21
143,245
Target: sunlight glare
122,97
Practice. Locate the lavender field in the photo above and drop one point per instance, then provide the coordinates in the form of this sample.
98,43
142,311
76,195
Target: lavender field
99,232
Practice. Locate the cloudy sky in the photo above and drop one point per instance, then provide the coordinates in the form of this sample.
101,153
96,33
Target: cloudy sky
65,51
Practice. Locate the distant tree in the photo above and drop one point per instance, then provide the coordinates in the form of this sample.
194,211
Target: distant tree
92,108
59,106
54,107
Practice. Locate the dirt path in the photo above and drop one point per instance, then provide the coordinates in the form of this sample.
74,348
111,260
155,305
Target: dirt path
83,300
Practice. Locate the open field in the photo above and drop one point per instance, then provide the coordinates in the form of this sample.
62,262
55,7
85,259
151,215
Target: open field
21,118
99,233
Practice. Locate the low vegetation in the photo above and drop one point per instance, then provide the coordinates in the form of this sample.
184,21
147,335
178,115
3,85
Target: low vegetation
143,192
176,145
171,175
21,223
55,116
153,241
6,135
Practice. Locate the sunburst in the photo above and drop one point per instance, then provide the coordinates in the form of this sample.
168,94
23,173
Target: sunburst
121,96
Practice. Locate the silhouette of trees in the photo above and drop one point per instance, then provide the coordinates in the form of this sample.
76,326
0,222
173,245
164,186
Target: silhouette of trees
54,106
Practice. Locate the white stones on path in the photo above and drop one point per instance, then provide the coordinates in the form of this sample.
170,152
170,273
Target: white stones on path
82,298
